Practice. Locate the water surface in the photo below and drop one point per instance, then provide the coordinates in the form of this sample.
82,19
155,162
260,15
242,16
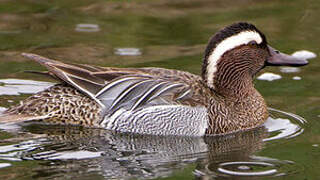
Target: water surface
168,34
105,154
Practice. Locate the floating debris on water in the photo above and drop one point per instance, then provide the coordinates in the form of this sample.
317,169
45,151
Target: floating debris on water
296,78
289,69
269,76
20,86
127,51
3,165
87,28
315,145
304,54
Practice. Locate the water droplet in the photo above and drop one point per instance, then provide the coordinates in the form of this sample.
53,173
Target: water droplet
127,51
87,28
296,78
289,69
269,77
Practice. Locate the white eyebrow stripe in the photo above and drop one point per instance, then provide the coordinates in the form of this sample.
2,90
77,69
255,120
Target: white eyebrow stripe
227,44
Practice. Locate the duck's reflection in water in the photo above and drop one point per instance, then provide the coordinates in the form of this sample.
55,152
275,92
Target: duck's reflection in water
75,151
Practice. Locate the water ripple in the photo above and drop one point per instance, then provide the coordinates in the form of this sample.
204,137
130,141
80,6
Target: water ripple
288,127
255,166
245,168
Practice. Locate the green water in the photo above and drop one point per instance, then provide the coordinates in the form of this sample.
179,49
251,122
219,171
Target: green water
170,34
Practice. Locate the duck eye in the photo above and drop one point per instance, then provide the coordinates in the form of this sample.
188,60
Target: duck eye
253,43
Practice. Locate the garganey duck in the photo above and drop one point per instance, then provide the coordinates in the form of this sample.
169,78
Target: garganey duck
161,101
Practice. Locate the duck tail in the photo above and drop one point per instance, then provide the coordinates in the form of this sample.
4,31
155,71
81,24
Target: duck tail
16,118
79,76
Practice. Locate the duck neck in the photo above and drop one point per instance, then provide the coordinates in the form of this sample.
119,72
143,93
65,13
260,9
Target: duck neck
234,84
229,114
235,105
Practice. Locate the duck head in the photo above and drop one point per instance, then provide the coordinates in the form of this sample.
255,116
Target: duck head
235,54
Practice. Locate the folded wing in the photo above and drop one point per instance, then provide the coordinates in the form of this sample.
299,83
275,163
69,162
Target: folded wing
115,88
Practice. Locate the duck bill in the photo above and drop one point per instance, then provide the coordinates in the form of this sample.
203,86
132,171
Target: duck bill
280,59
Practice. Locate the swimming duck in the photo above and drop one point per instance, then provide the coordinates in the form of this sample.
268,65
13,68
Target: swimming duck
162,101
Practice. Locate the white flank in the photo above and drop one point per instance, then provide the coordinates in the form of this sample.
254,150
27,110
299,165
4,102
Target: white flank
178,120
229,43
